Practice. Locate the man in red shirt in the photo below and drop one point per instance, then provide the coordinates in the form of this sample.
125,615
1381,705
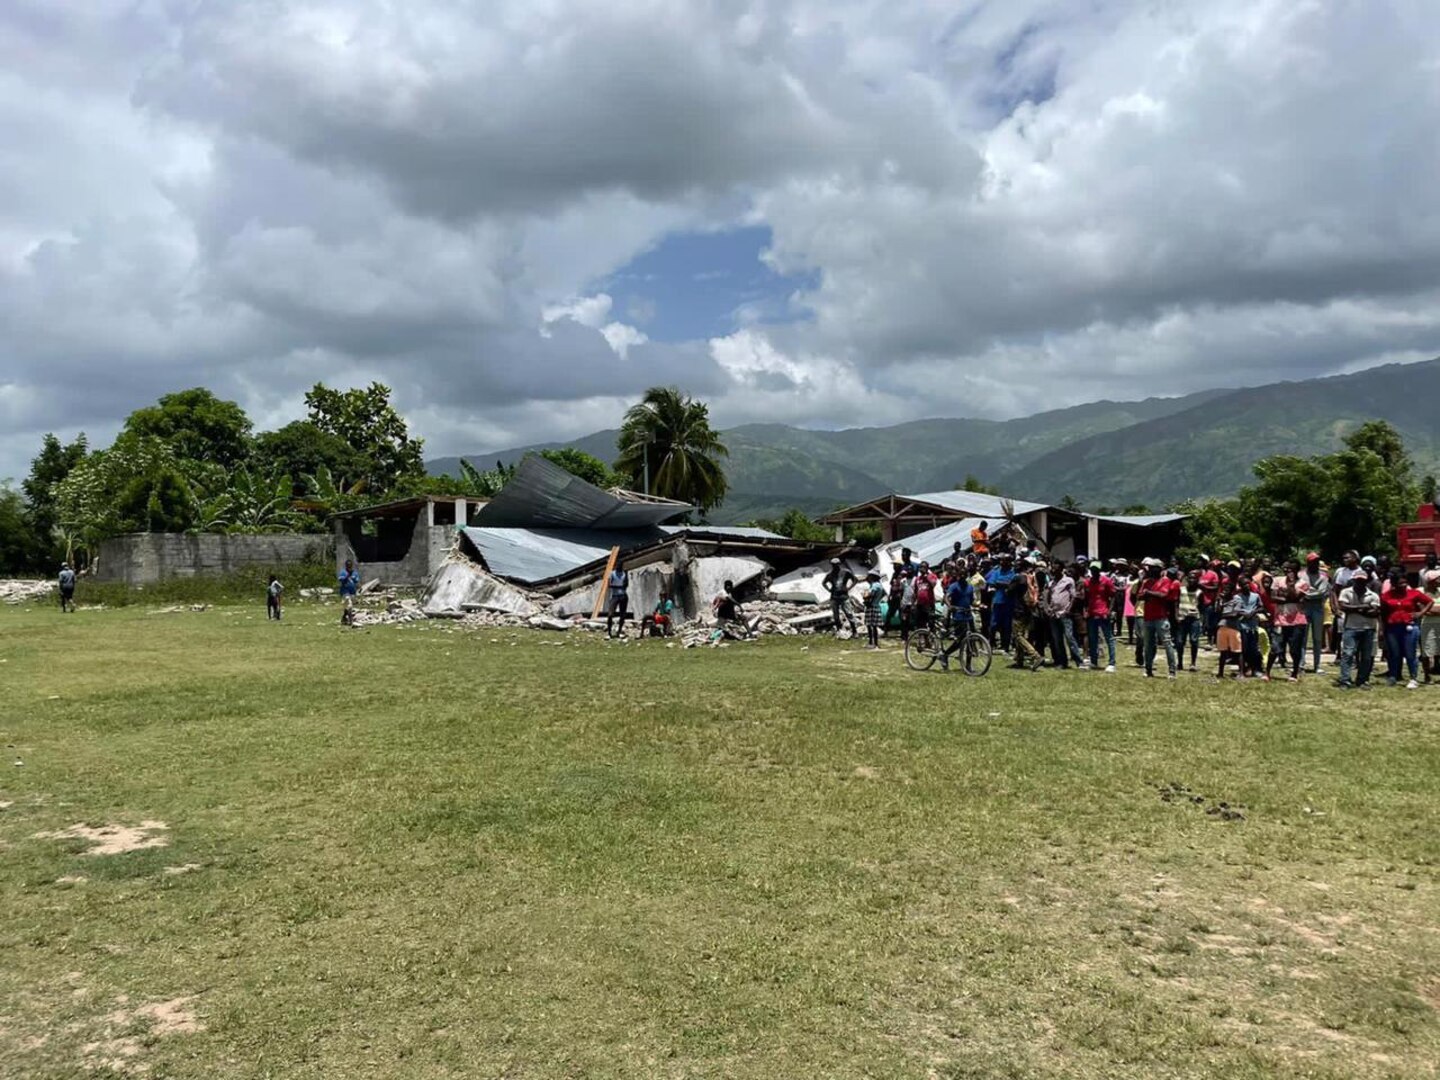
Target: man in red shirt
1401,605
1158,595
1099,598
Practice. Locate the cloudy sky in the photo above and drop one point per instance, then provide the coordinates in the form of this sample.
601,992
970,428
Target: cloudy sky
825,212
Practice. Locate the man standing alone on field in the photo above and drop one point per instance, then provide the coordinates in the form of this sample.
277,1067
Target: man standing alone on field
349,586
618,604
67,588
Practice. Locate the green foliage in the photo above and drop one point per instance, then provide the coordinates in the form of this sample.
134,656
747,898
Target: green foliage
243,586
156,501
301,449
1330,502
586,466
868,535
669,434
326,495
197,426
975,484
47,469
88,501
796,525
19,545
259,503
367,422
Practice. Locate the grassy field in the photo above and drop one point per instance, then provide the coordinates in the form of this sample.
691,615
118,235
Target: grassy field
407,852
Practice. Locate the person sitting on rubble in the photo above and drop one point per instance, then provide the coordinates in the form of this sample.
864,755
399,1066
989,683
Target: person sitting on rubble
837,584
661,621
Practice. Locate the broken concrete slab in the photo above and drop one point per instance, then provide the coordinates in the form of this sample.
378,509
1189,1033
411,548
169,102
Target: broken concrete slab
707,576
549,622
460,585
645,585
806,585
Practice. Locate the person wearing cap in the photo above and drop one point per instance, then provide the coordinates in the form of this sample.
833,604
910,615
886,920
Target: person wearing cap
874,596
1360,609
1058,604
1430,623
1315,583
837,585
1002,608
66,582
1099,596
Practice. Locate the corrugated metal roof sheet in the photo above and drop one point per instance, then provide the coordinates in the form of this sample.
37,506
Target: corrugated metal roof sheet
988,507
723,532
541,495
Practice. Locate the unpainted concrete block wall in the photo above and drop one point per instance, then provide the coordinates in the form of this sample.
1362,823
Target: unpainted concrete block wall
147,558
429,544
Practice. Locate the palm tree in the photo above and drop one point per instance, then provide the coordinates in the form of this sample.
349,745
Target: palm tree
667,437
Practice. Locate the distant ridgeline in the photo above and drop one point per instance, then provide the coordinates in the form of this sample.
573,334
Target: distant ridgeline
1104,454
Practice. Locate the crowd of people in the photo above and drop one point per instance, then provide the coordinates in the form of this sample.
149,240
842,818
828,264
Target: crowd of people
1252,616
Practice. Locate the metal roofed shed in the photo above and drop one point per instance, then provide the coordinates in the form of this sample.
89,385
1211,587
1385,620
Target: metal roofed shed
541,495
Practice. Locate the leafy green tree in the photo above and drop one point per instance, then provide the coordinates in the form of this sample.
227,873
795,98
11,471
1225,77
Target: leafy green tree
367,422
1288,508
156,501
669,434
18,542
1213,527
975,484
795,524
299,449
326,495
259,503
586,466
47,469
197,426
89,499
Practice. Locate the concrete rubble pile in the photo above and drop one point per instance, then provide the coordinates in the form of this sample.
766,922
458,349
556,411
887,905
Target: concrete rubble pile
25,592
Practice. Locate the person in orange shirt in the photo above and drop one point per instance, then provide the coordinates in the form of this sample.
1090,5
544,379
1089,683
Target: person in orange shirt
980,540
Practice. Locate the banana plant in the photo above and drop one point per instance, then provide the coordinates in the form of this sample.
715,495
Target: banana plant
259,503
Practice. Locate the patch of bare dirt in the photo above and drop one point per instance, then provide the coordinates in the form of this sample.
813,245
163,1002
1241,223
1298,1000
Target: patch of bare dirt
121,1052
114,839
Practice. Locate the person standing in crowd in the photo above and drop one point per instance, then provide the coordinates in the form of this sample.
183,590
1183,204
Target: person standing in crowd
1401,605
1315,583
1430,623
1157,595
1060,601
1291,621
837,584
874,597
1188,622
1022,601
980,540
1099,596
1360,610
895,602
1349,563
1120,574
925,583
272,598
1209,581
1002,610
617,603
66,583
1228,639
349,586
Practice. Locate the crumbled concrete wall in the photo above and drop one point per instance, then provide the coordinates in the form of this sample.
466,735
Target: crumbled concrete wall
707,577
429,547
460,586
645,586
147,558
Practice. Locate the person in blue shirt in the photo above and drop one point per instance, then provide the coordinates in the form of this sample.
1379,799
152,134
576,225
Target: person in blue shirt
349,586
1002,608
618,602
67,588
960,600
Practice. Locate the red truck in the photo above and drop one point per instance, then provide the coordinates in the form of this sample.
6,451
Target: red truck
1416,539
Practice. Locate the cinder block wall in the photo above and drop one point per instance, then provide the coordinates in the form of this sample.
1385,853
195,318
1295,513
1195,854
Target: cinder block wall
146,558
429,545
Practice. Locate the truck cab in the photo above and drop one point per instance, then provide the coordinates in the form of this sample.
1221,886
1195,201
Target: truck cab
1418,538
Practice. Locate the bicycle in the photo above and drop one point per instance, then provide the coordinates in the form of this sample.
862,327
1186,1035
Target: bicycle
926,645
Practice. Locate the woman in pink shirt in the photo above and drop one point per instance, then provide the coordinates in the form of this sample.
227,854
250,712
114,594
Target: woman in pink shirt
1289,597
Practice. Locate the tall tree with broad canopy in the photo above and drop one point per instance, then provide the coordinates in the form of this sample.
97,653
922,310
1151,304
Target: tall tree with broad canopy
670,434
367,421
197,426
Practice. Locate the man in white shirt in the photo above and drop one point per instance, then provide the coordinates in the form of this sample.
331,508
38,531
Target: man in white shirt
1430,624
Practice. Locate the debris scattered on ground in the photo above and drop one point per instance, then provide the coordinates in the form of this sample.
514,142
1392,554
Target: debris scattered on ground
1174,792
310,594
186,868
23,592
113,839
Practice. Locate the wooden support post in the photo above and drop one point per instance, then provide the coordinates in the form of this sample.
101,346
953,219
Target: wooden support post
605,583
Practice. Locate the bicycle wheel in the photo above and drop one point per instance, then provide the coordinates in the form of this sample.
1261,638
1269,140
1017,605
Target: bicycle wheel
976,655
921,650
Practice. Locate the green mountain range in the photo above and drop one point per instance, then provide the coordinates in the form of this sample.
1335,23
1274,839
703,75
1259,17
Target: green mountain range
1153,452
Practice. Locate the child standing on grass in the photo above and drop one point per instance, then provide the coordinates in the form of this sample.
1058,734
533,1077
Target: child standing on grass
874,595
272,598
